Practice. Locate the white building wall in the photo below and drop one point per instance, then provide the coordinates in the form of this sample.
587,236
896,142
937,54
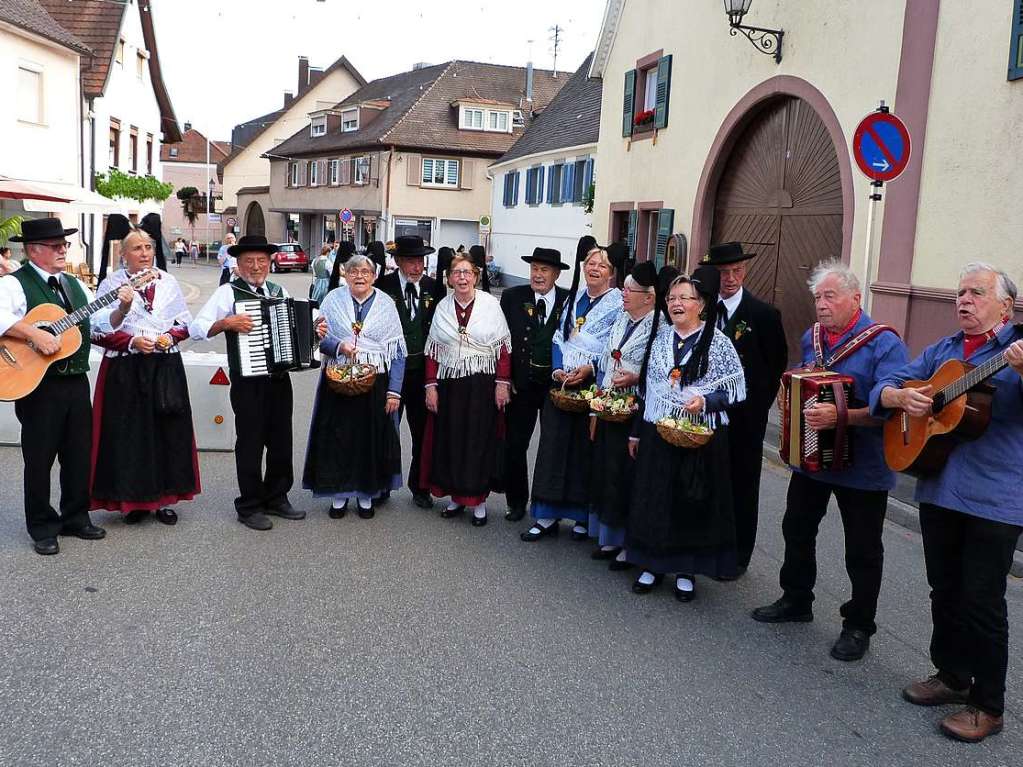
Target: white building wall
517,230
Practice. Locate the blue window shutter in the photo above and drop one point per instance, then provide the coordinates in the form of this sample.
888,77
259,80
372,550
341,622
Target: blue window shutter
663,91
538,197
628,99
515,189
665,223
508,178
630,238
551,183
529,186
1016,42
568,183
588,176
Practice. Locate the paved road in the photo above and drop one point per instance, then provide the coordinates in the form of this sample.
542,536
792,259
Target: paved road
412,640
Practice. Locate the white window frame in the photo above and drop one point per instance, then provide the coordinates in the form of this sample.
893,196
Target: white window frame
518,120
140,65
468,119
334,172
314,173
318,126
494,120
293,174
650,94
346,126
119,51
361,175
429,179
40,115
173,151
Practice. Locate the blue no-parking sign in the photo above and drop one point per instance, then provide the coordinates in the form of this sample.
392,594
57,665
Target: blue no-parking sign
881,146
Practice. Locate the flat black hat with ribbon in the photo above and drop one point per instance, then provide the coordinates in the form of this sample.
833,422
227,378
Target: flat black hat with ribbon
707,281
117,229
152,225
40,229
727,253
410,246
547,256
252,243
644,274
478,254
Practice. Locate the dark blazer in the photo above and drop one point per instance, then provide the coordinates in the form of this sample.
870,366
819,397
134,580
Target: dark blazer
513,304
756,331
391,285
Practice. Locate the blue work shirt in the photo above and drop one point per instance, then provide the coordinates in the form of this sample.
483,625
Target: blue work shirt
982,477
879,358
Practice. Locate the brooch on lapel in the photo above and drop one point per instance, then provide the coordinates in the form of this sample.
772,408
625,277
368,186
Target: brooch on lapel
530,309
741,329
675,375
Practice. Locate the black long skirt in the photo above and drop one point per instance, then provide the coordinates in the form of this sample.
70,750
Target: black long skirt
681,518
143,443
561,475
613,471
353,444
460,450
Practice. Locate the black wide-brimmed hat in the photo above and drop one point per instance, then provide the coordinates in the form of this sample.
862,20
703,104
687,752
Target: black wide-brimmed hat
547,256
726,253
250,243
39,229
410,246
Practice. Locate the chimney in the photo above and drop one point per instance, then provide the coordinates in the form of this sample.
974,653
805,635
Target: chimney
529,81
420,65
188,127
303,73
288,98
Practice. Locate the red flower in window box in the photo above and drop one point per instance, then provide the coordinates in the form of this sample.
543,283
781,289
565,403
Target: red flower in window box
644,117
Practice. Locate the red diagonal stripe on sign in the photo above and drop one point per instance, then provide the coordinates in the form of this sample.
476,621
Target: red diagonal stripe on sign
869,130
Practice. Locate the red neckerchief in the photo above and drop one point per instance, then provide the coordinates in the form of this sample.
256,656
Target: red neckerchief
971,343
833,338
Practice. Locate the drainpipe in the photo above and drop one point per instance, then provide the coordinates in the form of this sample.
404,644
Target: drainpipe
92,182
386,214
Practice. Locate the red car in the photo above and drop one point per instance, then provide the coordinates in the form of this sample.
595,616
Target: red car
289,256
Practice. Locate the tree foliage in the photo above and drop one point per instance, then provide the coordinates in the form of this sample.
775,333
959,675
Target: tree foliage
118,184
9,227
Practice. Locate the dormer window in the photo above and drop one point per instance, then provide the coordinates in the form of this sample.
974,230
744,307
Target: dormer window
478,118
318,126
498,121
349,120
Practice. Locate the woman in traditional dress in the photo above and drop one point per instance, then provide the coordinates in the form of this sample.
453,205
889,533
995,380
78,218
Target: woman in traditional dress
353,449
321,275
620,365
143,446
561,475
468,385
681,519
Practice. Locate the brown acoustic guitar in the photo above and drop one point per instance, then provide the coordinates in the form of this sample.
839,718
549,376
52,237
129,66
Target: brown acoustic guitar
22,367
961,411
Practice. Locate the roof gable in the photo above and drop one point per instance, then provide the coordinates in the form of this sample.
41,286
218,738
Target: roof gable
97,23
605,41
33,17
192,148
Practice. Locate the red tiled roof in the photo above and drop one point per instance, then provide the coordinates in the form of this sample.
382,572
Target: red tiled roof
97,24
192,148
32,17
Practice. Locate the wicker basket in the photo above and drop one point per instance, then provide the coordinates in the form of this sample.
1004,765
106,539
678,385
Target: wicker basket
563,400
683,438
607,415
339,383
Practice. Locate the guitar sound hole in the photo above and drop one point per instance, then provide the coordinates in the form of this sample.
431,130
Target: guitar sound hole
47,329
938,403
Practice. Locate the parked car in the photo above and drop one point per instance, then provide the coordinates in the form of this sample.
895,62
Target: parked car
289,256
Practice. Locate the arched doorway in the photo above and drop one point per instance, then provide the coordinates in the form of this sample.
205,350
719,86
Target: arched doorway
254,223
781,187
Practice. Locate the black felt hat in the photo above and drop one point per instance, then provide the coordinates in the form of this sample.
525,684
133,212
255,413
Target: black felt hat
547,256
252,243
644,274
39,229
410,246
726,253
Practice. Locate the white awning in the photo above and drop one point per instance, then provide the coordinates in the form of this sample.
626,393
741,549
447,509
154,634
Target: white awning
80,200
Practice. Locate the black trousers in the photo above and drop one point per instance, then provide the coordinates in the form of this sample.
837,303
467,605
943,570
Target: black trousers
225,276
747,425
56,424
968,561
413,406
863,514
520,419
262,422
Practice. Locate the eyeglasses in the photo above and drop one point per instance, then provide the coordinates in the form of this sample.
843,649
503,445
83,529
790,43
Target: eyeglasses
676,299
462,273
362,272
55,245
646,292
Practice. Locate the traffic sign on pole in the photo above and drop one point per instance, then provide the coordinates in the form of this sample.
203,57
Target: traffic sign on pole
881,146
346,215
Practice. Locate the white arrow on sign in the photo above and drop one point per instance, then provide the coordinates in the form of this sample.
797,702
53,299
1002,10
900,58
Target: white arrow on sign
881,164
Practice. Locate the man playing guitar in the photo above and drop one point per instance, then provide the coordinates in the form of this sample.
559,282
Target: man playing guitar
971,510
56,418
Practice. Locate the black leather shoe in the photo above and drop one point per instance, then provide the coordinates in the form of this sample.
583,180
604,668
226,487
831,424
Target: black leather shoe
450,513
366,513
638,587
479,521
783,611
739,572
257,521
681,594
135,516
46,546
285,511
617,565
338,513
580,535
384,498
422,500
515,513
851,645
88,532
602,553
167,516
536,532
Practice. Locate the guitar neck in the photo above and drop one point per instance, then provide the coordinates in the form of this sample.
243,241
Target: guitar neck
979,374
66,323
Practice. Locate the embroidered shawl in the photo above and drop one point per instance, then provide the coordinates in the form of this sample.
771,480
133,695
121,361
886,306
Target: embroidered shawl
169,306
665,398
380,339
631,353
589,342
475,351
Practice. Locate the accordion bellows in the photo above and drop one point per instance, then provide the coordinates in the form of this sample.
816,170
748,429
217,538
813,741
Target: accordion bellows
801,446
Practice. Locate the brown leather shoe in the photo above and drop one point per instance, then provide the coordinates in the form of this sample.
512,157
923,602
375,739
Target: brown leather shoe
934,692
971,725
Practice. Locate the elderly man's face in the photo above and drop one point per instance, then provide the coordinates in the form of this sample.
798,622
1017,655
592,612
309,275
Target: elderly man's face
732,276
48,255
542,277
412,268
835,304
978,307
254,266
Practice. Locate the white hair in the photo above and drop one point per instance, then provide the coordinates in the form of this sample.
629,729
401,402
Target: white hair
1006,288
631,284
355,261
846,278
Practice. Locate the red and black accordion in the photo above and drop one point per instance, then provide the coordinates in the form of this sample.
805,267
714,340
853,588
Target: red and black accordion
805,448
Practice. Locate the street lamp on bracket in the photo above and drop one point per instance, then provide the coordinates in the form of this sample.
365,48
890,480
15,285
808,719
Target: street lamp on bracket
764,40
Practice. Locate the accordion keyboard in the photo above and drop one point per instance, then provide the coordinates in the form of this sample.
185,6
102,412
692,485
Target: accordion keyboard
254,345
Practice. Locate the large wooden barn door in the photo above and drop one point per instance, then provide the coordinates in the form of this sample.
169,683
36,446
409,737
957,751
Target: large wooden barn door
781,189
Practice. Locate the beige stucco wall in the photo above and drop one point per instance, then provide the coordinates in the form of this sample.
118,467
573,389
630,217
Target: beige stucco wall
971,185
325,197
431,202
850,56
248,168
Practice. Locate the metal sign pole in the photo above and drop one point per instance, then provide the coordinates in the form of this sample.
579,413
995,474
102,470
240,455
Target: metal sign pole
875,197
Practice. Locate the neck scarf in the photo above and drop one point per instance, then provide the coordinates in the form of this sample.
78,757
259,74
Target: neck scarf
834,338
169,305
587,342
378,337
665,396
629,351
971,343
459,354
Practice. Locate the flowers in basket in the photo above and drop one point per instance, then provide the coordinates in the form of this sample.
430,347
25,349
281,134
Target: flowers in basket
613,404
686,424
353,372
573,400
684,432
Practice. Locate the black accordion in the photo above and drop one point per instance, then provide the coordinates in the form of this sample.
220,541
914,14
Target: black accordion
282,338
